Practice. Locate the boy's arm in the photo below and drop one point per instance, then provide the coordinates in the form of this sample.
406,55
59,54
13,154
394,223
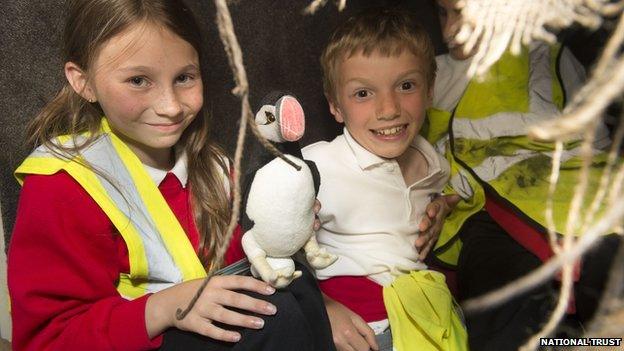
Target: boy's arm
349,330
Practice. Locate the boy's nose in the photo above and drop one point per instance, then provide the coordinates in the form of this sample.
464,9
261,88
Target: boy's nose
388,107
168,103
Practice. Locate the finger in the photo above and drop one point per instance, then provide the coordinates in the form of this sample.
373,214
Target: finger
424,224
239,282
433,209
421,240
317,224
365,331
342,345
317,206
355,340
452,200
243,302
425,251
206,328
229,317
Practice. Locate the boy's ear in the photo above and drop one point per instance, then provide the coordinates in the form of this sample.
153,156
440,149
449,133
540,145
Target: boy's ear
335,110
78,79
430,96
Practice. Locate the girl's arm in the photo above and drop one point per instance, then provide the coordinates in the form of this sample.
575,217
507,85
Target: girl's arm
62,273
64,263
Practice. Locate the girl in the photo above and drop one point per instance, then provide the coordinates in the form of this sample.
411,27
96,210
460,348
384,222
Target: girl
125,203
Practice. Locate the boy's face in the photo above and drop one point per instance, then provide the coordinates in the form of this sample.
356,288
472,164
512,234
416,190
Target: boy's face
381,100
449,17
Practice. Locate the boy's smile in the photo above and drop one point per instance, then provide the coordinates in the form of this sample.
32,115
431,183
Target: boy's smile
381,100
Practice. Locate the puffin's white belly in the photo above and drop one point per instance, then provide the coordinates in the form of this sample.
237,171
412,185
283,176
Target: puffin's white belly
280,203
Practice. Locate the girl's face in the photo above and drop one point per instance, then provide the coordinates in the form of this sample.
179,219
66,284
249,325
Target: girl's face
148,83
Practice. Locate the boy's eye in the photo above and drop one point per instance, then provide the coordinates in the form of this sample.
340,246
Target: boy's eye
361,94
407,86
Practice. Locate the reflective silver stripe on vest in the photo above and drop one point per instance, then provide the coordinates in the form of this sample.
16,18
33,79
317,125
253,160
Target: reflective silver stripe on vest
440,145
494,166
506,124
101,154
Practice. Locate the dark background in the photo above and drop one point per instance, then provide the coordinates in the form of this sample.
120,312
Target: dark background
281,47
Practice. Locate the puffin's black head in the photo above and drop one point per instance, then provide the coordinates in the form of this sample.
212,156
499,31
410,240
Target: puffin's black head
280,117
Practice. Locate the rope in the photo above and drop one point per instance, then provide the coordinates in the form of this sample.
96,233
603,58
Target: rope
235,59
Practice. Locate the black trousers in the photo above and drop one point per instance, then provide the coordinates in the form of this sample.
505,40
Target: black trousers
300,324
490,258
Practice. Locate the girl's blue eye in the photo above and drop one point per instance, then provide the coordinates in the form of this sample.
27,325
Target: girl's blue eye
183,78
138,81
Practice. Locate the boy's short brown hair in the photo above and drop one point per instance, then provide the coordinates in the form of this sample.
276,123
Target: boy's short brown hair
383,30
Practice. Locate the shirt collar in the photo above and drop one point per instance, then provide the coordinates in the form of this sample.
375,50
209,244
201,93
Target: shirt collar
365,158
180,170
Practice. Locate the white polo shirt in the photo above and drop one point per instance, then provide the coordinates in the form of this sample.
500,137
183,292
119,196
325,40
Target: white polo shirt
369,215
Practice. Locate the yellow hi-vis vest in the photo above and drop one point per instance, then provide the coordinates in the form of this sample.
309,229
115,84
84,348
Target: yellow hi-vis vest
484,139
159,251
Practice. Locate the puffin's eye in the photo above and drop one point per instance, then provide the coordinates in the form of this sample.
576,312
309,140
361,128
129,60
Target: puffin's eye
270,117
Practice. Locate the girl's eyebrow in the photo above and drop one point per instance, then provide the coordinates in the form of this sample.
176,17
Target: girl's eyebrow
146,69
135,69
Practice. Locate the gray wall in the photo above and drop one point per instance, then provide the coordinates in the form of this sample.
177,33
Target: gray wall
281,48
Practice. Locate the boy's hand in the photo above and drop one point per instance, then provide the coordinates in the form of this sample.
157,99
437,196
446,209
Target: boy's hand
350,331
317,209
431,224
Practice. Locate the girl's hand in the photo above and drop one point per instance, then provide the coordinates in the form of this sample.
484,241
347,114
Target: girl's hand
213,305
350,331
431,224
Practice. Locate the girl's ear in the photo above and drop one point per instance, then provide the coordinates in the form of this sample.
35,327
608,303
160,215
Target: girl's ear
78,79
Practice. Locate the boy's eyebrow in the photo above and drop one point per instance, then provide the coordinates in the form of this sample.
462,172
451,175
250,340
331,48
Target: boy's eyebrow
411,71
400,76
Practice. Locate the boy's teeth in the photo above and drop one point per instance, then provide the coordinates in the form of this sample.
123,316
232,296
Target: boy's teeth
389,131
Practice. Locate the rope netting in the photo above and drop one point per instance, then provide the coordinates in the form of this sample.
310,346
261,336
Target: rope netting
490,27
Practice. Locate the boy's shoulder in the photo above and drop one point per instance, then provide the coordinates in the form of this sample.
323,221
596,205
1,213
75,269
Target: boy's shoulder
325,150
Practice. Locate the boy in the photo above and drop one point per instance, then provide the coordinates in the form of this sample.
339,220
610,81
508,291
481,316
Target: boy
377,180
502,178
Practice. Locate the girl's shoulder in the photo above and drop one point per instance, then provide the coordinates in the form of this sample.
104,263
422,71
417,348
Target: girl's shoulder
53,188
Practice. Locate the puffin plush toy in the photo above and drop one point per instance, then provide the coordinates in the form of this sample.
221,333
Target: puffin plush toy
278,199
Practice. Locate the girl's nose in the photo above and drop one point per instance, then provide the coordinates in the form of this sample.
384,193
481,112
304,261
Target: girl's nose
168,104
450,26
388,107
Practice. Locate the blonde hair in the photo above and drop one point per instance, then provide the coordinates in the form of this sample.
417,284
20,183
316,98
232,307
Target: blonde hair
387,31
91,23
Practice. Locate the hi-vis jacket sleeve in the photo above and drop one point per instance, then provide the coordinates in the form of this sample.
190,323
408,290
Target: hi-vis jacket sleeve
62,273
